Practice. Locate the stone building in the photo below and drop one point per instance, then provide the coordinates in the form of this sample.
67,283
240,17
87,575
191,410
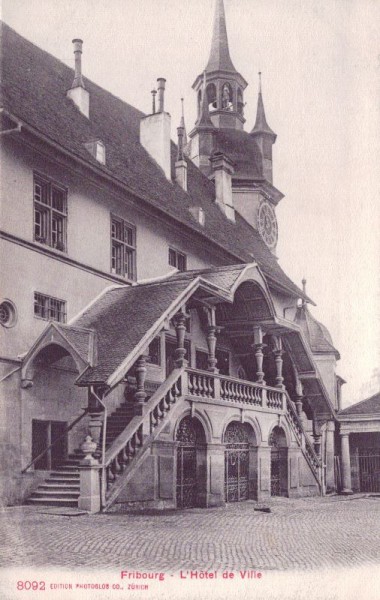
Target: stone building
144,308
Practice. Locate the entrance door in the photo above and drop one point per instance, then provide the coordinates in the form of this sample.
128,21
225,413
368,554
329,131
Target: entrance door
236,463
278,463
369,469
189,435
45,433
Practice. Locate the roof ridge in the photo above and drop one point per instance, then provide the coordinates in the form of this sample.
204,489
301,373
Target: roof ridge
87,80
355,404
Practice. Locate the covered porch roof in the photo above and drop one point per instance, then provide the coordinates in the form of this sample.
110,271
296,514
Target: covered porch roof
108,336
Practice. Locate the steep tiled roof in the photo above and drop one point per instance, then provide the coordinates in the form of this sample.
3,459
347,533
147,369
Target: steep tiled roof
369,406
243,150
315,332
34,85
80,339
121,317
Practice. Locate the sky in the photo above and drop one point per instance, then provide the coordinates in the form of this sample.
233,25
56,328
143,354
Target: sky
320,61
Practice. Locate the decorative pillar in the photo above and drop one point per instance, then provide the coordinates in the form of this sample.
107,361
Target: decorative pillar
330,455
317,437
180,328
278,352
89,498
212,331
259,355
140,371
299,397
95,425
346,463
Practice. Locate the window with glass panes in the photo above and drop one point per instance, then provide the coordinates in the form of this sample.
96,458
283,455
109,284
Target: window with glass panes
177,259
123,248
49,308
50,213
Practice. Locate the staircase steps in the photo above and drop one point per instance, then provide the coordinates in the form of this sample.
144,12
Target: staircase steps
62,486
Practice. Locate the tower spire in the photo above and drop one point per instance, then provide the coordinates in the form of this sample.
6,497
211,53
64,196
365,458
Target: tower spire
261,125
219,59
182,122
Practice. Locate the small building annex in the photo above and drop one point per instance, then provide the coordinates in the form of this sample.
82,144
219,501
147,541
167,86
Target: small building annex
154,352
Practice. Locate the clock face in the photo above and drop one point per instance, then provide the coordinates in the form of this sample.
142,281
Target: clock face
267,224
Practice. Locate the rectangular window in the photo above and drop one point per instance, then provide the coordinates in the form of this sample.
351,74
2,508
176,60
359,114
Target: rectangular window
50,213
177,259
154,352
223,364
123,248
201,360
48,308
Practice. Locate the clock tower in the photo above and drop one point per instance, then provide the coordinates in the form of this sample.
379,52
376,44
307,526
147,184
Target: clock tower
220,129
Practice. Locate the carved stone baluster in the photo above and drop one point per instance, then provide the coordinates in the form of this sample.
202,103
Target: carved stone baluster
140,394
258,346
278,352
180,328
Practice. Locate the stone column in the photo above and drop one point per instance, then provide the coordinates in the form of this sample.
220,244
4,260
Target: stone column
140,394
215,479
259,355
89,498
211,344
264,473
346,463
317,437
95,425
278,352
330,454
180,328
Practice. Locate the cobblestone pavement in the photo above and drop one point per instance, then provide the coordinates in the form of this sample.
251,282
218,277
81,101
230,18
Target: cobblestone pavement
297,534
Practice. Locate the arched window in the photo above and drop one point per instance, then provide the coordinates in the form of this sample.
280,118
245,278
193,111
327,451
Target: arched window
211,97
240,103
227,97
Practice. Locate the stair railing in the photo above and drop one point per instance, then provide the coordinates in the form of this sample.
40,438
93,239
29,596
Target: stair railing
142,427
311,456
61,437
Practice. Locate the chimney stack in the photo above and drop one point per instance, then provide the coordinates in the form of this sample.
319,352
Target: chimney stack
222,171
77,93
155,132
161,93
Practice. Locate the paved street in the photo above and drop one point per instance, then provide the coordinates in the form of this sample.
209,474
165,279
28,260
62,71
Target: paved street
303,534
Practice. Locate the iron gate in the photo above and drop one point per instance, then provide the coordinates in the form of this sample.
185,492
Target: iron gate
278,462
186,489
369,469
236,463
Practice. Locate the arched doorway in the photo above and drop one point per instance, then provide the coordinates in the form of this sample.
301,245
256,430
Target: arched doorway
238,438
191,451
279,462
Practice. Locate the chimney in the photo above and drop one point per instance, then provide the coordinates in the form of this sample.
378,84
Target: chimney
222,171
181,164
77,93
155,132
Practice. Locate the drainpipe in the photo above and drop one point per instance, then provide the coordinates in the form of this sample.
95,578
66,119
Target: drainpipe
103,487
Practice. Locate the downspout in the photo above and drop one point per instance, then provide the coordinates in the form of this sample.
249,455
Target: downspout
103,486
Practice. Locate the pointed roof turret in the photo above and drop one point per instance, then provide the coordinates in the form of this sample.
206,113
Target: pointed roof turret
182,123
315,332
261,125
220,59
204,119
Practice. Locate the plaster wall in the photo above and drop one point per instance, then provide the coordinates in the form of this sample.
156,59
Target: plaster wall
88,241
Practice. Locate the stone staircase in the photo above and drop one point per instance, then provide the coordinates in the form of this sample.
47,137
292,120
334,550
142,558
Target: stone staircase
62,486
